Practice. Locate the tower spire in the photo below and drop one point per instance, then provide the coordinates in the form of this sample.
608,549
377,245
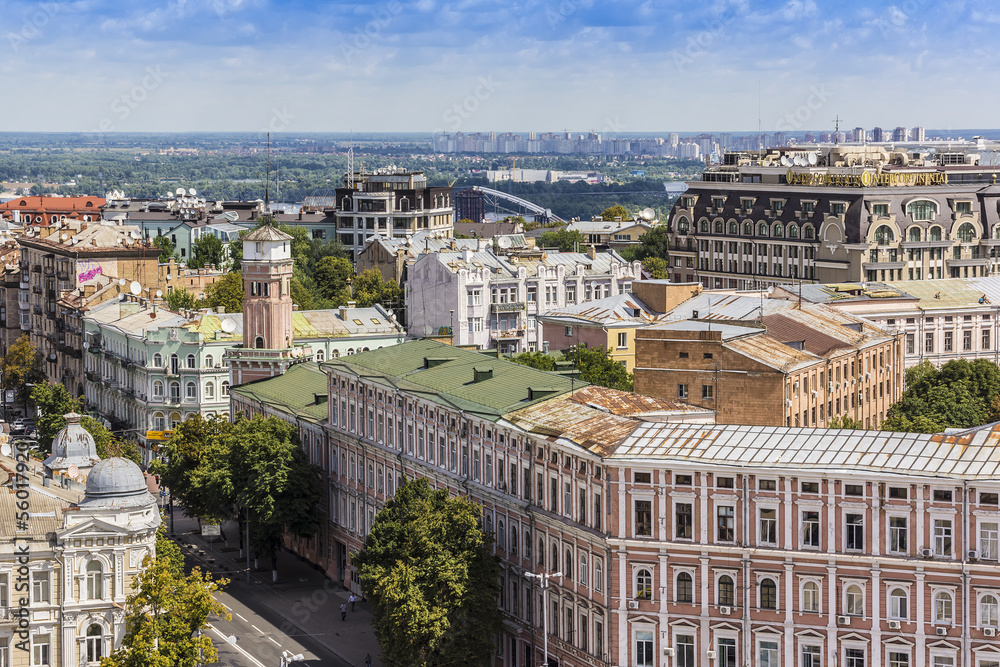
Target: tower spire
267,182
350,163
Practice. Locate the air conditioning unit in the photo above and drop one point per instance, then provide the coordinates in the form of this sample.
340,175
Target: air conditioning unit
894,625
710,655
667,651
990,632
926,553
843,620
973,555
788,402
941,632
725,611
633,604
815,393
829,386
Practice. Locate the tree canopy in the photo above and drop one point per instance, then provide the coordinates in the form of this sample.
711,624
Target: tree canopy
333,277
227,292
594,365
22,365
617,211
654,243
166,246
567,240
428,568
208,250
53,402
370,288
656,267
961,394
179,297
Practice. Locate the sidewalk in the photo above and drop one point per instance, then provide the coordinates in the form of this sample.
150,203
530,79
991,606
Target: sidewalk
307,600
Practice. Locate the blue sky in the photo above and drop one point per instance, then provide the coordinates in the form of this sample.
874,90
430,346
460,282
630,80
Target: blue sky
475,65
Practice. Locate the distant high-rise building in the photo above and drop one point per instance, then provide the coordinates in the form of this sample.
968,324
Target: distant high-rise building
809,138
675,139
900,134
780,139
917,134
857,135
878,135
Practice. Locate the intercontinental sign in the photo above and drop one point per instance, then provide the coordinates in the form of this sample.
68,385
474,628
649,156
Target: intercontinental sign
866,179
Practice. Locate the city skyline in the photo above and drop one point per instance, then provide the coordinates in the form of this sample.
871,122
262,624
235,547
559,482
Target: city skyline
250,65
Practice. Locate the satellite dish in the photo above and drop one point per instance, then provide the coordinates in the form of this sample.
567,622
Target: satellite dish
647,214
135,288
86,345
121,281
228,326
813,159
121,297
5,450
135,234
179,192
64,236
159,293
784,160
192,192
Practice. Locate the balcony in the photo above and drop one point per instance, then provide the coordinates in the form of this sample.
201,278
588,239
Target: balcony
92,377
512,307
508,335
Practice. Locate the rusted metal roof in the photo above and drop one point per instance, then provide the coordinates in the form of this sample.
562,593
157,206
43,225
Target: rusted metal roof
786,329
627,403
618,309
593,429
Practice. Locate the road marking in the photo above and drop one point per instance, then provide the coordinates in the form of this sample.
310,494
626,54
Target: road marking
226,606
239,648
240,616
275,643
256,628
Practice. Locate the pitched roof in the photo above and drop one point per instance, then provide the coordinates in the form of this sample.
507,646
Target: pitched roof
618,309
301,390
267,233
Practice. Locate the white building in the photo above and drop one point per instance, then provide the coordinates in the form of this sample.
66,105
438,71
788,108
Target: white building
490,301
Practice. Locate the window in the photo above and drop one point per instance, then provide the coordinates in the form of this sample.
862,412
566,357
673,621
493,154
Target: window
966,233
810,529
40,587
682,480
175,391
157,360
726,653
810,597
768,654
942,537
943,607
682,391
225,387
40,650
158,389
641,477
622,339
683,521
643,648
706,392
598,574
989,609
854,600
811,656
769,526
898,604
643,517
727,591
684,650
855,532
95,581
854,657
988,540
584,570
95,643
768,595
191,390
725,482
899,659
210,390
684,590
767,485
643,584
923,210
191,361
725,525
897,534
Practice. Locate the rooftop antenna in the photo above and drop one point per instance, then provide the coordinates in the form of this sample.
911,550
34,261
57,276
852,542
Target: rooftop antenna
350,163
760,139
267,182
836,130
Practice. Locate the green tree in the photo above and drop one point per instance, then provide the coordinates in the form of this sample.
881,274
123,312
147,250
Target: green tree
616,211
961,394
845,422
236,251
656,267
21,366
428,568
167,612
179,298
167,248
654,243
53,402
597,367
370,288
565,239
208,250
226,292
539,360
333,276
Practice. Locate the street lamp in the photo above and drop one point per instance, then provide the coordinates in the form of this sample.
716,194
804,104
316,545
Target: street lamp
543,580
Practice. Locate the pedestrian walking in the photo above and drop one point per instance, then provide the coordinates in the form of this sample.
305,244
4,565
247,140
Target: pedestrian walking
368,660
352,600
343,611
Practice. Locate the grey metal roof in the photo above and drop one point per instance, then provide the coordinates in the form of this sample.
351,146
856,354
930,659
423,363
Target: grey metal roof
728,330
116,483
72,446
619,309
972,454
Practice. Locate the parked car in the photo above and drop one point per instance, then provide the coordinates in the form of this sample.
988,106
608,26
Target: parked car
18,426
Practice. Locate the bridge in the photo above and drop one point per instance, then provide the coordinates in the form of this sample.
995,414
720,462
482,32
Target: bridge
516,205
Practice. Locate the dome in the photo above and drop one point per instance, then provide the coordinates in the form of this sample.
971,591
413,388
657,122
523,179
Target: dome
117,483
72,446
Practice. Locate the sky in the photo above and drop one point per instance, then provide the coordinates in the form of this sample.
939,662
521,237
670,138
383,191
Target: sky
501,65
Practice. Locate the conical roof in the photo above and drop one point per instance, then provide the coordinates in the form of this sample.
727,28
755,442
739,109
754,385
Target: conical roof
267,233
72,446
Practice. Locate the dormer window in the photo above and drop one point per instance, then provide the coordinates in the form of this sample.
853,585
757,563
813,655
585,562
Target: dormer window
777,205
922,209
963,207
747,203
718,202
838,208
687,202
880,210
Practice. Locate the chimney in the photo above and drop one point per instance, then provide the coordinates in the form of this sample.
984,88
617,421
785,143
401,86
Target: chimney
343,312
591,252
88,290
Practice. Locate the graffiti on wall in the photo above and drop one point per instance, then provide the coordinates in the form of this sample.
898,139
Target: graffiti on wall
87,269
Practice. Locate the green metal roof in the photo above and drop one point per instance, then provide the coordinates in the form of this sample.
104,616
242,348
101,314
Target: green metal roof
293,392
450,377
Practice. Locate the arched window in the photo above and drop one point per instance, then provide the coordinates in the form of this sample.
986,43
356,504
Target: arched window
158,388
703,226
996,232
175,420
157,360
489,524
810,596
966,232
779,230
336,354
719,229
191,390
513,540
747,229
174,364
583,569
388,484
191,361
898,604
95,643
943,607
684,588
501,535
175,391
527,544
914,233
884,235
598,574
734,229
259,343
209,361
209,390
159,422
922,209
762,229
568,564
554,563
683,225
643,584
727,591
854,600
793,231
768,594
95,580
225,387
541,551
320,356
989,611
934,234
807,231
